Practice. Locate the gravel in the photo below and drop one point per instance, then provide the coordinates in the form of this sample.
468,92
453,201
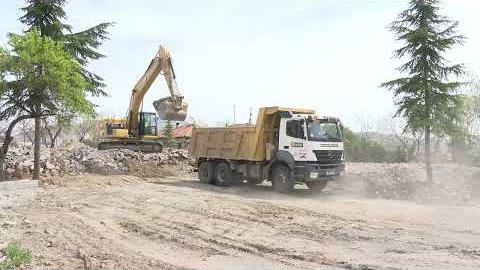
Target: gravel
80,158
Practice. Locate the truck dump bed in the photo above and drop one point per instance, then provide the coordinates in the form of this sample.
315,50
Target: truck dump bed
225,143
252,143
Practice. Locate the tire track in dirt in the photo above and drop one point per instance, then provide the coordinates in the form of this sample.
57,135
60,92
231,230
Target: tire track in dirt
126,221
263,215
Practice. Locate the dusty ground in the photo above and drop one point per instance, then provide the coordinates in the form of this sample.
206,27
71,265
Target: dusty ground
127,222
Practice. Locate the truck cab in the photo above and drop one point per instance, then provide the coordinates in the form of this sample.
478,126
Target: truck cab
311,146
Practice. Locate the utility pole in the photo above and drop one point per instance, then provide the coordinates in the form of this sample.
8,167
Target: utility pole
250,117
234,107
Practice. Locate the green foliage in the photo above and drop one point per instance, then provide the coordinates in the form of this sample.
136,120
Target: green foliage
15,257
47,17
360,149
42,75
464,143
168,134
426,96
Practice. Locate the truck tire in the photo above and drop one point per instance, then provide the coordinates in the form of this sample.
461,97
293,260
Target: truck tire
206,172
316,185
223,175
254,181
237,178
283,181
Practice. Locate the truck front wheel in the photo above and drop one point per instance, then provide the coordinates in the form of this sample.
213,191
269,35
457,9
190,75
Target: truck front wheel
206,172
223,175
283,181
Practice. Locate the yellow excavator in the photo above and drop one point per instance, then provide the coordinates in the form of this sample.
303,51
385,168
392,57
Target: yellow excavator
139,130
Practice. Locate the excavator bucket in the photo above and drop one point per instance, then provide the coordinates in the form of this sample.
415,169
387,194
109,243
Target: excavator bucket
167,111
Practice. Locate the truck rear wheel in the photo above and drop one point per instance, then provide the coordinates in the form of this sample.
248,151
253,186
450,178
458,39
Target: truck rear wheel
223,175
283,181
316,185
254,181
237,178
206,172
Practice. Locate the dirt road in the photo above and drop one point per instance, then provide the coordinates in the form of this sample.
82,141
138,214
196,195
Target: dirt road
125,222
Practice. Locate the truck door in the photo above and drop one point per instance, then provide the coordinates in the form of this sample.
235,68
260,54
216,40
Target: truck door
292,136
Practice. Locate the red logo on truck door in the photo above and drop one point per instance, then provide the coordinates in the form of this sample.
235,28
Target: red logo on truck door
302,154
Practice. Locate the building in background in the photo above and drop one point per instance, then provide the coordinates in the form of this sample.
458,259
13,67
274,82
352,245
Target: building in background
181,133
183,136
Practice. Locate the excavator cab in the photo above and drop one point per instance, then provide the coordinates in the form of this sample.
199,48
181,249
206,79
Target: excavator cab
148,124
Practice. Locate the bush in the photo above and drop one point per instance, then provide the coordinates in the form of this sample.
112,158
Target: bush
361,149
15,256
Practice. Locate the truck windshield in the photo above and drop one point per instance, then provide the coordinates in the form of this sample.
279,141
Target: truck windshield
322,131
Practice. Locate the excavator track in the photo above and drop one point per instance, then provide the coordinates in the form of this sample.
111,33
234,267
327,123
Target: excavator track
134,145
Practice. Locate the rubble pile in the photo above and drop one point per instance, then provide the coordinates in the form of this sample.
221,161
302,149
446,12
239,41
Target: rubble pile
79,158
408,181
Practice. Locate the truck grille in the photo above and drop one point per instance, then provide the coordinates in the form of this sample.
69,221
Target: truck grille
328,156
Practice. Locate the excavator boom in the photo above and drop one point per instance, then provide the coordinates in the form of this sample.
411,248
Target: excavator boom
169,108
139,131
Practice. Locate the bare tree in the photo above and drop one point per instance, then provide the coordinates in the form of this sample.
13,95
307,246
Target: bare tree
408,143
26,129
472,108
7,139
51,130
87,128
464,145
367,126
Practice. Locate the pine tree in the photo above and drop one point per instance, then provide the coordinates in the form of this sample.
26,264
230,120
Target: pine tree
168,134
426,96
47,18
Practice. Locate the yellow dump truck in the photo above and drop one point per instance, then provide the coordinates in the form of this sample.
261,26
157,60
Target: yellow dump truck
285,146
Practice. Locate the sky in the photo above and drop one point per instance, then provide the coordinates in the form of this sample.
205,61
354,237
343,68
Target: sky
330,56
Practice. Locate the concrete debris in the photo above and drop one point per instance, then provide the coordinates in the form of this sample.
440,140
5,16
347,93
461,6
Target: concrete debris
80,158
407,181
399,181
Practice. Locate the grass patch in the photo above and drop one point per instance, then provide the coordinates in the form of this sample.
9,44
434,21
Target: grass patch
15,256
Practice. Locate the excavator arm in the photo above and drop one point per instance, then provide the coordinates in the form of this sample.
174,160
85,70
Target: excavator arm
169,108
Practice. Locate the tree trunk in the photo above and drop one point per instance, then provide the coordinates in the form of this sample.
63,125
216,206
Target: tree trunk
53,140
36,148
45,132
428,157
52,137
2,171
44,138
